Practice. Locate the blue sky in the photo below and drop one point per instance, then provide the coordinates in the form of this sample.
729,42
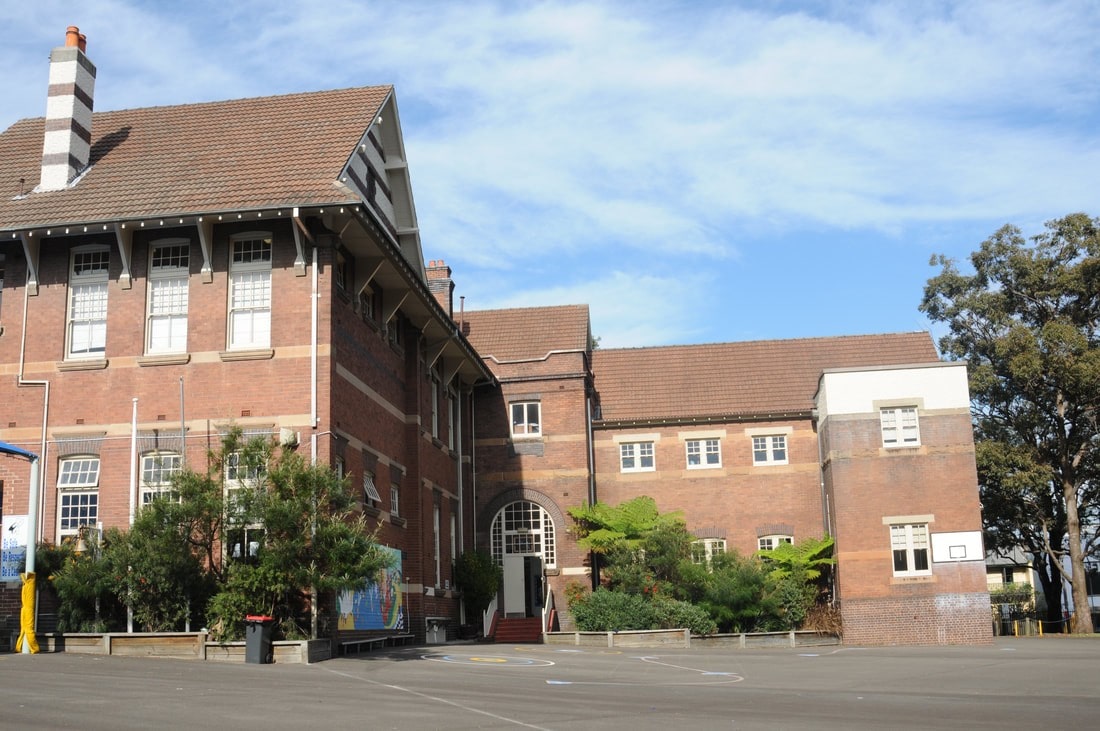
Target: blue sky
695,172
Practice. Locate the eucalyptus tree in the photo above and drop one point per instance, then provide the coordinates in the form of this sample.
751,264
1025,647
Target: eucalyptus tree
1027,319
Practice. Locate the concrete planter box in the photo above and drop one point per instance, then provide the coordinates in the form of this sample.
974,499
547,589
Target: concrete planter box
178,645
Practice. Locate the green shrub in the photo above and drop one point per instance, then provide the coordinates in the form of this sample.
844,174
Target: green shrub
608,611
676,614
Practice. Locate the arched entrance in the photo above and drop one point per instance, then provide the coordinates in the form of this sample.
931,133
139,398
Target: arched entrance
522,543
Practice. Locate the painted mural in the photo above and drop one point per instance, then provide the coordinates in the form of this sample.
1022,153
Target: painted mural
380,603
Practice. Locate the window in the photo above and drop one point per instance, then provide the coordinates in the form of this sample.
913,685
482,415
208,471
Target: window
340,469
245,543
526,419
78,500
636,457
250,292
909,543
87,325
435,403
370,492
703,550
157,469
900,427
395,500
435,547
166,330
703,453
769,449
343,270
523,528
767,543
452,421
368,308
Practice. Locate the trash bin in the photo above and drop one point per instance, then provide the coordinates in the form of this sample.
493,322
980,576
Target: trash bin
257,638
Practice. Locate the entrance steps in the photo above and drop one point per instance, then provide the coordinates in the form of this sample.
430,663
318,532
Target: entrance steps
518,630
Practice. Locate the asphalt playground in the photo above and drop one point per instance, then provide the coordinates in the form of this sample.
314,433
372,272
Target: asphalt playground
1014,683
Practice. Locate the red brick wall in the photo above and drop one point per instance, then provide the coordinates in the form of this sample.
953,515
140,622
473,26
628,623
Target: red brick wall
867,483
739,499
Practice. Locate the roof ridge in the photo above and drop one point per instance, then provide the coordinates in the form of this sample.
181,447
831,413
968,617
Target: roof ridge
808,339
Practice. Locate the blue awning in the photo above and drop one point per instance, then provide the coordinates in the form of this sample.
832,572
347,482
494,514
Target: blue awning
11,449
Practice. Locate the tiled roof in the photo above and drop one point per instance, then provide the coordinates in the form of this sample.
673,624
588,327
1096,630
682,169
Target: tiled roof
738,379
244,154
526,339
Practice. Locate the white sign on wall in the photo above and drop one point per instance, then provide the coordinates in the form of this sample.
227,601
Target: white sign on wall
13,547
957,546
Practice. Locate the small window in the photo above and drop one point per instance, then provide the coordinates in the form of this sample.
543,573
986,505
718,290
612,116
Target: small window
157,471
703,453
909,543
343,270
767,543
78,472
768,450
370,492
526,419
395,500
636,457
452,421
705,549
435,396
900,427
368,307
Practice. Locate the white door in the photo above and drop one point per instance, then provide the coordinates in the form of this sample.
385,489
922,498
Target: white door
514,587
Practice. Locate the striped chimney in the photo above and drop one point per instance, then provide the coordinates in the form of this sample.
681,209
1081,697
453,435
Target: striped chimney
68,139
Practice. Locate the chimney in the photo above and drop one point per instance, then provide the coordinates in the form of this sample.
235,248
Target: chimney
441,286
67,144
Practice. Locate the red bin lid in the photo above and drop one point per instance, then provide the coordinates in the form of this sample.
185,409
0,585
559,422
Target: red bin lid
258,618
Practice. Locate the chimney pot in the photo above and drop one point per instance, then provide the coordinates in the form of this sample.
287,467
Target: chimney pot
72,36
83,45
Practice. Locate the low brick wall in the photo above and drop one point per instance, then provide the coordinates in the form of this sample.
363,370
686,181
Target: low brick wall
683,638
178,645
942,619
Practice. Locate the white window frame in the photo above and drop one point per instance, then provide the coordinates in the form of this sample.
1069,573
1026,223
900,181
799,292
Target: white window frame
767,543
78,494
910,546
167,300
524,528
157,469
395,500
521,423
86,316
637,456
249,292
707,453
703,550
767,447
900,426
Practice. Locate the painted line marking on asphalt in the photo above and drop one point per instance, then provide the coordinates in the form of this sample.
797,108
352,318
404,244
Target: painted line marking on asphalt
437,699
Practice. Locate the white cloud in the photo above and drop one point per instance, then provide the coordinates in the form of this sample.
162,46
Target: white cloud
550,140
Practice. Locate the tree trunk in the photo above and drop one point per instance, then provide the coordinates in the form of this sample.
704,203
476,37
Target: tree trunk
1050,580
1082,612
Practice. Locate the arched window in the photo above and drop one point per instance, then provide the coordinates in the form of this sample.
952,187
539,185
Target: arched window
523,528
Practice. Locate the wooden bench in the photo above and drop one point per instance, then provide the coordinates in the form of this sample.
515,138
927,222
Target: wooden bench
370,642
394,639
